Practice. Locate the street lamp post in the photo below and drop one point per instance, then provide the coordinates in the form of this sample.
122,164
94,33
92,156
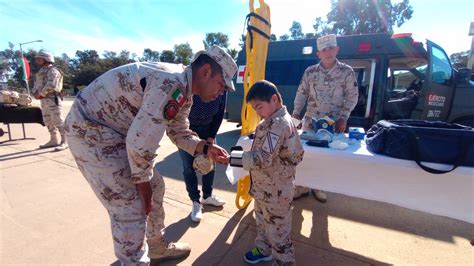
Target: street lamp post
21,51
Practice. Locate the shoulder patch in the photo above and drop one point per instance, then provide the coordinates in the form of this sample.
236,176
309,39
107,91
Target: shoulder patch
171,109
270,142
178,97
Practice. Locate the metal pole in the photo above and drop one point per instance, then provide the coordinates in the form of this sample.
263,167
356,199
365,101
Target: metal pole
24,70
21,51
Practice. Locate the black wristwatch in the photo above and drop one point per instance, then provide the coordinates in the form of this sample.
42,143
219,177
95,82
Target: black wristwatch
205,149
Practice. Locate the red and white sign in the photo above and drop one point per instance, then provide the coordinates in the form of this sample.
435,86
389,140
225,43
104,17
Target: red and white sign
240,74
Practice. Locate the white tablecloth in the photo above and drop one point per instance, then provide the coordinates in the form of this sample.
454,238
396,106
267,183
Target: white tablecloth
359,173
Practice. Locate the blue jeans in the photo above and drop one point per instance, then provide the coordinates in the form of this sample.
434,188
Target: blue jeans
189,174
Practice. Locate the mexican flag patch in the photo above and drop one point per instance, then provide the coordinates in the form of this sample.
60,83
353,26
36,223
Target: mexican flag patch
179,97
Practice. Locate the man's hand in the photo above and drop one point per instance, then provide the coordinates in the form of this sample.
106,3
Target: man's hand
226,161
340,125
37,96
298,117
145,193
218,154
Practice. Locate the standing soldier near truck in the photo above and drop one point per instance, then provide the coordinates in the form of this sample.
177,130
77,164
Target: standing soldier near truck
330,89
47,89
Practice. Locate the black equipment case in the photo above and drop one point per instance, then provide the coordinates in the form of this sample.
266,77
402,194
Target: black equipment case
423,141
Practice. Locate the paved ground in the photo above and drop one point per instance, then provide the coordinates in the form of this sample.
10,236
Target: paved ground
49,215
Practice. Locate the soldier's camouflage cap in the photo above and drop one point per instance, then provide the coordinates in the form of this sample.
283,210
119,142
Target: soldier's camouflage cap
202,164
228,65
326,41
45,55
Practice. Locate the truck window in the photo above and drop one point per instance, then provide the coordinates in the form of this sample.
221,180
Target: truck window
405,77
364,73
441,67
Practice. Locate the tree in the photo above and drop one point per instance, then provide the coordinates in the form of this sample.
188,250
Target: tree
87,57
243,37
366,16
284,37
296,31
273,37
109,54
167,56
6,62
150,55
63,63
10,68
87,66
321,28
310,35
183,53
460,59
217,38
112,60
233,53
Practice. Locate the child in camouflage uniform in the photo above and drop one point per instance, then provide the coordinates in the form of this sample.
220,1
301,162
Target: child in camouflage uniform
272,161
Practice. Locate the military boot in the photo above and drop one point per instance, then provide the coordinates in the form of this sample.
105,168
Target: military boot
161,251
63,145
53,142
300,192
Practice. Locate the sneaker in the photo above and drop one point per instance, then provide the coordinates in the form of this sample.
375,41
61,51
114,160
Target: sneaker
162,252
300,192
196,213
319,195
213,200
254,256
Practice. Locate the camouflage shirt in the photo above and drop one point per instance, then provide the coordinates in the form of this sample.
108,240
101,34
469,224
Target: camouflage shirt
330,92
141,113
48,80
276,150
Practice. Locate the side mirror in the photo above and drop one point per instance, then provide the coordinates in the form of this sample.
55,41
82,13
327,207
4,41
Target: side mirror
463,75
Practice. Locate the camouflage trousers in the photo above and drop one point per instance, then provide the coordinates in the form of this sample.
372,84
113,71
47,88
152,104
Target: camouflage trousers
274,228
101,156
52,115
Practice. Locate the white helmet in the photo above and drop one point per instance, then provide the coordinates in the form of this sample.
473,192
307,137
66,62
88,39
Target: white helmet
45,55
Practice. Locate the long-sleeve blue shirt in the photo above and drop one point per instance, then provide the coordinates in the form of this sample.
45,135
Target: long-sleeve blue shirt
210,113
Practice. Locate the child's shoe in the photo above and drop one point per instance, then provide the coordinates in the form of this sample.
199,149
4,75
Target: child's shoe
254,256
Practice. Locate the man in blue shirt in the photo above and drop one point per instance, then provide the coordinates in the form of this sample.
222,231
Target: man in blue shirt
205,119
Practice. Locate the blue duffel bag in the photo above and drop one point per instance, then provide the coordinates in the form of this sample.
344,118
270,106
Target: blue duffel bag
423,141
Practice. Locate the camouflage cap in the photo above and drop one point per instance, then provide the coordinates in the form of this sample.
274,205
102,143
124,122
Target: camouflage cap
228,65
326,41
202,164
45,55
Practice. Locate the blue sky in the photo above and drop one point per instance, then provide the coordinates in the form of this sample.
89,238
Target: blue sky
66,26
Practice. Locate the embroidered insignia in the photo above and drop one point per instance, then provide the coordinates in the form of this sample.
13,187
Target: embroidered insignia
171,109
178,97
270,142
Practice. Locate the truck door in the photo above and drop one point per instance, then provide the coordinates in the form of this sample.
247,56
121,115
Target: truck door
438,87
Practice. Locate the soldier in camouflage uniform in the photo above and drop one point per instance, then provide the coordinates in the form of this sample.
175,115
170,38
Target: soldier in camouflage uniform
48,86
330,88
276,150
114,129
